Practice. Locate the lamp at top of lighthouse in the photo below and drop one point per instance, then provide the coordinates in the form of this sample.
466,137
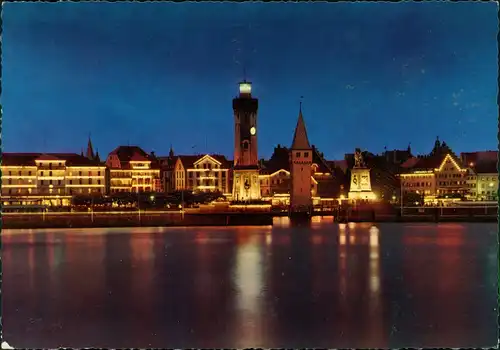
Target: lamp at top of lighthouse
245,88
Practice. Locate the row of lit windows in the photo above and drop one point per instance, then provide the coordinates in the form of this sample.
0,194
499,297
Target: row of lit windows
451,183
191,183
445,176
192,174
53,182
30,173
417,184
487,179
206,166
51,191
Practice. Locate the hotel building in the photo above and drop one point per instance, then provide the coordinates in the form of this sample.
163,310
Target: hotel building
49,178
133,170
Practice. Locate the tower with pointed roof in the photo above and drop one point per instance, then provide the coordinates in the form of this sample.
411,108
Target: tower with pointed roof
301,154
246,184
90,150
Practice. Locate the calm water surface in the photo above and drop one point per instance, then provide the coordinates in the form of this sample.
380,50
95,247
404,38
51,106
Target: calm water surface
325,285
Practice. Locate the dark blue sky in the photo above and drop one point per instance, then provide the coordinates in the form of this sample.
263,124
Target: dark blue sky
155,74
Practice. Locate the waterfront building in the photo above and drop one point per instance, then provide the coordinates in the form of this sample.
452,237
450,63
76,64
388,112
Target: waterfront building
437,176
246,184
198,173
301,169
486,188
50,178
131,169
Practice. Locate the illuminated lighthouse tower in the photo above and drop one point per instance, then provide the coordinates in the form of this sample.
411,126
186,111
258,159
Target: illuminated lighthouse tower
246,184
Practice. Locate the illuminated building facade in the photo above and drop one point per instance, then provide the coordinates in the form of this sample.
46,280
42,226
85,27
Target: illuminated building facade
301,169
133,170
246,184
439,175
486,176
200,173
49,178
451,176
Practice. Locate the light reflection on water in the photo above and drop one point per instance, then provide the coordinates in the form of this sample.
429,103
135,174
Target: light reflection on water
327,285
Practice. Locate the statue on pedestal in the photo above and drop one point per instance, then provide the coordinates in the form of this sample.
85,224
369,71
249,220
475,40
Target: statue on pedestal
358,159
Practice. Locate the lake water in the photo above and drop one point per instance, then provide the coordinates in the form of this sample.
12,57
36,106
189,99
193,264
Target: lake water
324,285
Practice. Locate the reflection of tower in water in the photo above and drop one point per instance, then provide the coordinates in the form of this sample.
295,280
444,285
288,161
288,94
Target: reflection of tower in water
248,278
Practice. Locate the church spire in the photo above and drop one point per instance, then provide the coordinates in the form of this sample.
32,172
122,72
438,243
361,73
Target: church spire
90,150
171,152
300,140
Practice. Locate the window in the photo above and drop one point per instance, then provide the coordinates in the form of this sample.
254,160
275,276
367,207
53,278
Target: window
50,173
306,154
50,165
98,182
29,173
58,182
80,181
70,182
98,173
50,182
90,181
297,154
79,173
19,173
41,173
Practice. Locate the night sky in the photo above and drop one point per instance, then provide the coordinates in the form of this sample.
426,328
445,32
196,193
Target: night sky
155,74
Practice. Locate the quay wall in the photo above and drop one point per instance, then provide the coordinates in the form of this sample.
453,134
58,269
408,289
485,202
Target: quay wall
150,219
238,218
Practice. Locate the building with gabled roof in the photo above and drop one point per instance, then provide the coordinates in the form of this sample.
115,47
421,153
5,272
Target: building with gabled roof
198,173
131,169
436,176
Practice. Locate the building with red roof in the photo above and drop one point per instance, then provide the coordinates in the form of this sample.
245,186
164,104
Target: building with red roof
131,169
